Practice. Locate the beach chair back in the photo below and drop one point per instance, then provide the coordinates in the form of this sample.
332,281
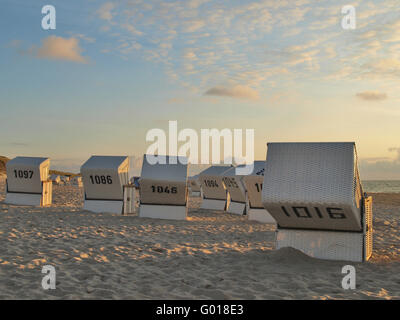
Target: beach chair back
103,179
28,181
163,188
313,186
214,194
316,186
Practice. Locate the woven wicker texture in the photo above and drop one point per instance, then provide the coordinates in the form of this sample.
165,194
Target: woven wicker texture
324,245
316,183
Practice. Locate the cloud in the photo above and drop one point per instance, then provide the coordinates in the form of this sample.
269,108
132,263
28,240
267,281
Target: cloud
372,96
238,91
132,29
59,48
194,25
104,12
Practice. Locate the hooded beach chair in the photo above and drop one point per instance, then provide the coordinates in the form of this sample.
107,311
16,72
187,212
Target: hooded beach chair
28,181
253,184
314,193
214,193
194,186
105,181
163,188
236,190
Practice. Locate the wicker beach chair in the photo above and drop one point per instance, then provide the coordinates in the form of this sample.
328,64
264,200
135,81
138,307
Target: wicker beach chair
314,193
28,181
163,188
104,180
213,191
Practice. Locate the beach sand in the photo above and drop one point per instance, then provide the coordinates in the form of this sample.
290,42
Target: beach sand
213,255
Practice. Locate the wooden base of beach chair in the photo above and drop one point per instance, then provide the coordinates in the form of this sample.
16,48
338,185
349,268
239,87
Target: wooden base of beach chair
163,212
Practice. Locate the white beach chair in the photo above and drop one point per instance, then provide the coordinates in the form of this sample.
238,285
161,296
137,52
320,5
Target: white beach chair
194,186
214,194
253,184
28,181
163,188
236,190
77,181
106,184
314,193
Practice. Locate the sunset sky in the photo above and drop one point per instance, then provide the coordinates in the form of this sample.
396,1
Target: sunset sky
113,70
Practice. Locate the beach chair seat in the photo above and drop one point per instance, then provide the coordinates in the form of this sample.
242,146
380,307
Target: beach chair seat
28,181
313,191
163,188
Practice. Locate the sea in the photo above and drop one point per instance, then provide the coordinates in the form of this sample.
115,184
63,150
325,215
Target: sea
381,186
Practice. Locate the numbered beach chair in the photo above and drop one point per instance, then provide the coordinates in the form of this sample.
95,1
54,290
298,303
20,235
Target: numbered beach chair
253,184
314,193
214,193
194,186
106,184
28,181
77,181
163,188
236,190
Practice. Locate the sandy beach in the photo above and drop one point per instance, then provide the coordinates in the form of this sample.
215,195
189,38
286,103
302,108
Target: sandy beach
213,255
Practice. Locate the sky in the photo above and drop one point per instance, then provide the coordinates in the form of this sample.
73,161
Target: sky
113,70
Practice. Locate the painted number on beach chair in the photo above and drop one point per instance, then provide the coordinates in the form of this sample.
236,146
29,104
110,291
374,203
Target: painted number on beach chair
258,186
230,183
211,183
23,174
161,189
260,172
304,212
101,179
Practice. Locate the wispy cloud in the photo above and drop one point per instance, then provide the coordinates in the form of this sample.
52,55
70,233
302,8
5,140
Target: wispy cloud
105,11
238,91
203,43
372,95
